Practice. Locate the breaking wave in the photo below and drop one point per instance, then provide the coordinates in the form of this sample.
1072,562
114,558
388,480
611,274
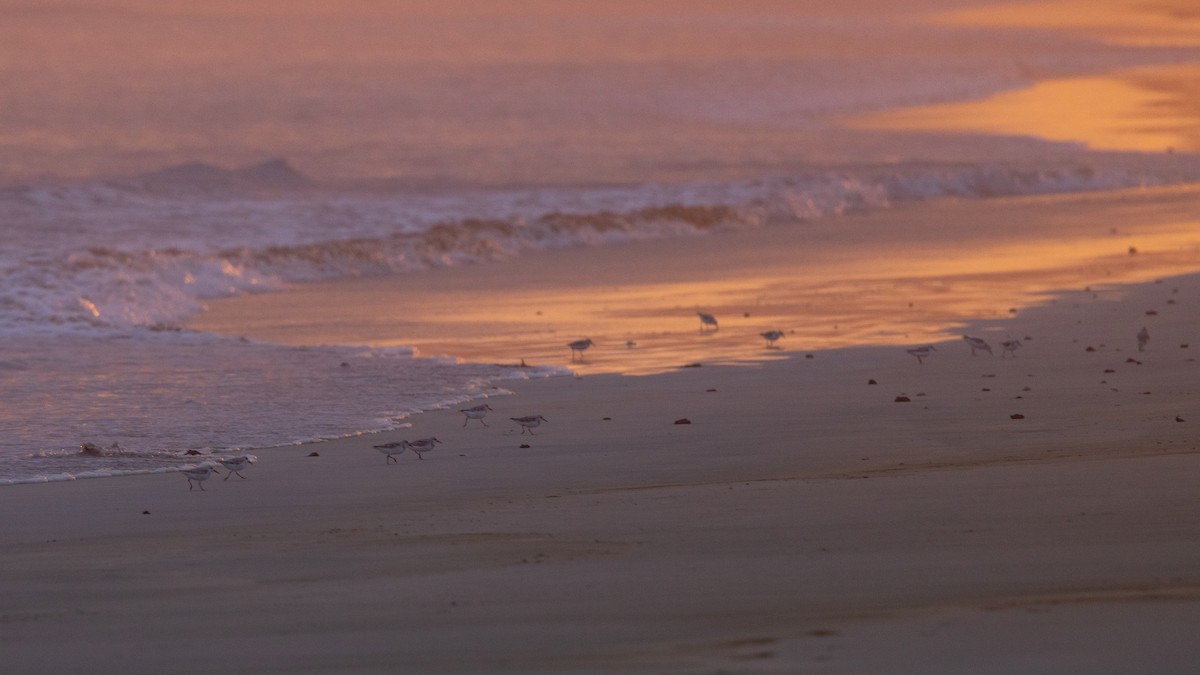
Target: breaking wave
195,232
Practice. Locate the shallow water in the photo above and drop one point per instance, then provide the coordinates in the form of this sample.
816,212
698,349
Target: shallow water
908,275
143,181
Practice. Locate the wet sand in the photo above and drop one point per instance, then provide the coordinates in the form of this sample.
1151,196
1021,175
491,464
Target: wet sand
1034,513
902,276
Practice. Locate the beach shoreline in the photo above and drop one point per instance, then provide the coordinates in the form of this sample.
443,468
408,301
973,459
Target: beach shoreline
827,478
904,275
1026,511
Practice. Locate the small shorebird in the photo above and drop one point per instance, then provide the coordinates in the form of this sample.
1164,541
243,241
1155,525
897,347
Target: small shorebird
921,352
1010,347
528,423
422,445
475,413
977,344
771,336
1143,337
707,320
198,474
235,465
389,449
579,346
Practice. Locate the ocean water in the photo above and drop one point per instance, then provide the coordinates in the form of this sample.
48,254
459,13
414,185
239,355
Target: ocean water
162,155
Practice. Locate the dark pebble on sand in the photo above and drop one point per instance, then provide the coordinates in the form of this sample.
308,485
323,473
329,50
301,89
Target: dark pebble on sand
902,399
683,420
872,382
1017,416
314,454
524,445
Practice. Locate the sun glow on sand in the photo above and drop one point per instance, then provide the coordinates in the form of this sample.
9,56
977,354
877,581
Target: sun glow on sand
901,276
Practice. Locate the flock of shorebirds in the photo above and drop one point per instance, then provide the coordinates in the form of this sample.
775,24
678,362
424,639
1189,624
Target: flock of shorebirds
708,322
197,475
423,445
1008,347
235,465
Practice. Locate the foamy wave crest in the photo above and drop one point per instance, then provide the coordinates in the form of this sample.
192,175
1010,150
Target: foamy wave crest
147,252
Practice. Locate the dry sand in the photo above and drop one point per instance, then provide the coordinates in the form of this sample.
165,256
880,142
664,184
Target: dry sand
803,521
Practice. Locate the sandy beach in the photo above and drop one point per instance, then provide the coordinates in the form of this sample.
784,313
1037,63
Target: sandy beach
1030,513
235,224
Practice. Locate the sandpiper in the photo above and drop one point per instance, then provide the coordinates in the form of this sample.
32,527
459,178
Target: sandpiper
921,352
529,422
235,465
1010,347
579,346
422,445
1143,337
198,474
389,449
771,336
475,413
977,344
707,320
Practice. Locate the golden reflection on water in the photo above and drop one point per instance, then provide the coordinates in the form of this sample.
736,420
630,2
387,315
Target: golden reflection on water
890,278
1143,109
1125,22
1152,109
653,328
